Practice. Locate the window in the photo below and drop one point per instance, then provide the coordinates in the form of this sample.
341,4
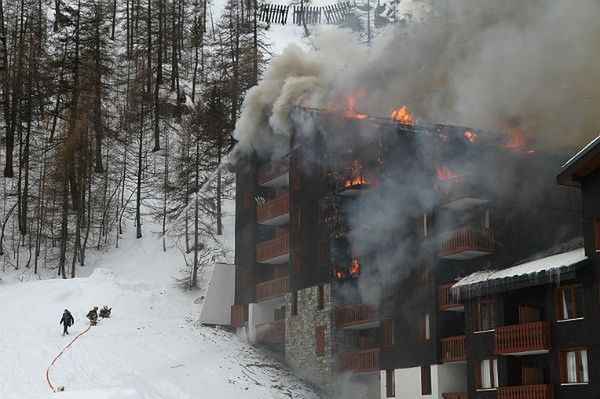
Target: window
246,277
483,319
320,297
570,302
322,253
295,178
320,341
296,261
574,366
425,380
294,309
388,332
421,275
424,334
296,219
390,384
597,234
487,374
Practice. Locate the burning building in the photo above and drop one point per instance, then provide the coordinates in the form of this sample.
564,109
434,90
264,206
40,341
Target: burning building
348,244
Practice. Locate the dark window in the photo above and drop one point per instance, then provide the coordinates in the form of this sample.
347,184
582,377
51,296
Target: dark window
597,234
486,374
390,384
296,219
421,275
570,302
424,327
294,309
388,332
483,318
320,297
245,276
320,340
322,253
247,198
425,380
574,366
296,261
295,178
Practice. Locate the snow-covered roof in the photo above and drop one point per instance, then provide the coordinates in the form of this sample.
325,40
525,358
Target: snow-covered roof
551,265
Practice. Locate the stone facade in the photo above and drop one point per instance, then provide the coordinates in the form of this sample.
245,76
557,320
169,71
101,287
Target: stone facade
300,340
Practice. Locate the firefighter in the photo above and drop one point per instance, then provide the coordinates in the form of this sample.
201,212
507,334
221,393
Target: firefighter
93,316
67,321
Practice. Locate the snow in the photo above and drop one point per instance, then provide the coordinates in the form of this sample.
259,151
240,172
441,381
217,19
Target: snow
550,264
151,348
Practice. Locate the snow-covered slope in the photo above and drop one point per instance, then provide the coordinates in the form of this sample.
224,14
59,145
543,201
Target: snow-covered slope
150,348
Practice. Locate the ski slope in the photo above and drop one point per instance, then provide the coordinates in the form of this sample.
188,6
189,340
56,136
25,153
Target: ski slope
151,347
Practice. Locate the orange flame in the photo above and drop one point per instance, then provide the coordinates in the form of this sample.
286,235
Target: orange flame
444,173
353,272
401,115
356,175
470,136
350,99
515,140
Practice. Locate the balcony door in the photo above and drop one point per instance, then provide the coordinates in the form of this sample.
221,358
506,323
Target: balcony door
532,375
529,314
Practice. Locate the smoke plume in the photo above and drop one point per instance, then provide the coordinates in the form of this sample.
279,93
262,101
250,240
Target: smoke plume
492,65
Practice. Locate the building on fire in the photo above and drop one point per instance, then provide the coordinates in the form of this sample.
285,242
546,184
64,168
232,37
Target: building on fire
422,261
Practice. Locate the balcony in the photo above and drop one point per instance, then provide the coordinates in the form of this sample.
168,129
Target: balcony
459,192
466,243
275,212
272,289
359,361
526,392
446,300
523,339
271,332
274,251
357,317
453,349
454,395
274,174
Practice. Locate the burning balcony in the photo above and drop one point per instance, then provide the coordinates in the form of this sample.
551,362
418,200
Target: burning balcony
350,272
274,251
526,392
359,361
447,302
357,316
272,289
454,395
275,212
271,332
274,174
453,349
523,339
355,179
466,243
459,192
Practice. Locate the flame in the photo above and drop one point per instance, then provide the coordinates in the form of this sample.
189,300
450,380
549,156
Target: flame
349,103
444,173
353,271
356,175
340,275
401,115
470,136
515,140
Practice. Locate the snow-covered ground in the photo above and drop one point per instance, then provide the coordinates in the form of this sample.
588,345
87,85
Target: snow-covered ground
152,347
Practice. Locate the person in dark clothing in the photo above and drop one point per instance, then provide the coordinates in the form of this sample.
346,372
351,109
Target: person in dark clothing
67,321
93,316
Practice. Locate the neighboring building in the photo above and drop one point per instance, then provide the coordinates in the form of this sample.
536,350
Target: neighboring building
347,248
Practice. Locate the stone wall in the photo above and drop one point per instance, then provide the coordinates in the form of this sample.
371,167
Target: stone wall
300,351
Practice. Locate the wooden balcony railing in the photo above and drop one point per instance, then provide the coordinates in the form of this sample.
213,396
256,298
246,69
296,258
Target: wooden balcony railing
526,392
453,349
272,248
270,171
278,206
446,299
353,315
466,239
272,289
359,361
273,331
454,395
527,337
457,188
